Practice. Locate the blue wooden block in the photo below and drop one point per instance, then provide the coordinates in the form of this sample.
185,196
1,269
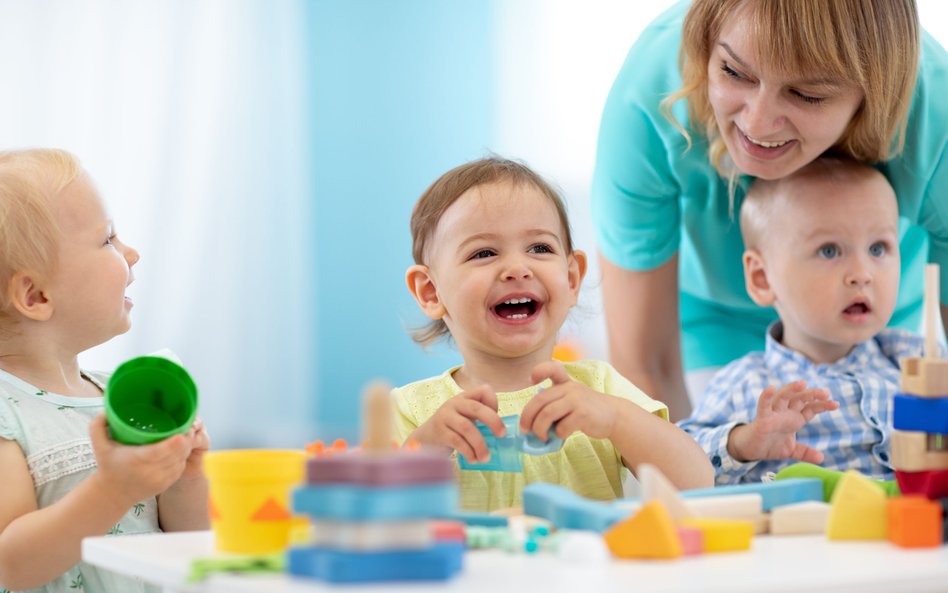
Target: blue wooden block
773,494
567,510
921,414
352,502
438,563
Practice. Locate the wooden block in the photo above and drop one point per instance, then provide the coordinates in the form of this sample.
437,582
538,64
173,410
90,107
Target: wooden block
801,518
723,535
727,506
389,468
914,522
655,486
932,484
857,509
925,377
923,414
910,451
354,502
773,494
373,535
567,510
650,533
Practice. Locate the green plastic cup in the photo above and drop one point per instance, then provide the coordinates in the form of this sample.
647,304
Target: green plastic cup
148,399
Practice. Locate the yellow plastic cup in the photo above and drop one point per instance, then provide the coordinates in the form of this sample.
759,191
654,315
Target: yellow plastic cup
250,498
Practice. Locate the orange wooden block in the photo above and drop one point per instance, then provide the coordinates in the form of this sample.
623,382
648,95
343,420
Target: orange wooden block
650,533
914,522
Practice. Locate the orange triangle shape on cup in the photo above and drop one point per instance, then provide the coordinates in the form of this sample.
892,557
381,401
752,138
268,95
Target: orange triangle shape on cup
271,511
212,511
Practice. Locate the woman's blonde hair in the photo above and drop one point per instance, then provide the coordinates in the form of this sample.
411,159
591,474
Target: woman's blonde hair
29,237
872,44
446,190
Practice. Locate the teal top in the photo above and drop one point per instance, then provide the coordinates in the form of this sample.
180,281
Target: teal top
653,197
53,432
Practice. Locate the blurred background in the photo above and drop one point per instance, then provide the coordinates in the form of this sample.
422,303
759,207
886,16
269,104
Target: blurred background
264,157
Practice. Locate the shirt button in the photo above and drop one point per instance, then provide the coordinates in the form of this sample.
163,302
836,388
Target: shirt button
716,461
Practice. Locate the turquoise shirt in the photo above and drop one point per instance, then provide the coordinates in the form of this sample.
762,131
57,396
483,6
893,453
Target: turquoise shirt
653,197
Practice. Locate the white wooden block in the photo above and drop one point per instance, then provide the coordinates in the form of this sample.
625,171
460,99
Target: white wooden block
655,486
373,535
800,518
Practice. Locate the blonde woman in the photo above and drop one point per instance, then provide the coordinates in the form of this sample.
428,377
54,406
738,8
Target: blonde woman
717,92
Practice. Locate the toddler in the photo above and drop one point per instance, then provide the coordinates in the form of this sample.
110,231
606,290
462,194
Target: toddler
822,248
63,275
496,270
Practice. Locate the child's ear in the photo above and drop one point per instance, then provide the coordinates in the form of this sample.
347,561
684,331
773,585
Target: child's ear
755,279
576,272
28,298
421,286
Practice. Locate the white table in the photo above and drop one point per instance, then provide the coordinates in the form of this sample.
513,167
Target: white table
808,564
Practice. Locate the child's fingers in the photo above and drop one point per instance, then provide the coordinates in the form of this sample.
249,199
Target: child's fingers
806,454
463,437
766,400
470,410
818,407
553,411
551,370
484,394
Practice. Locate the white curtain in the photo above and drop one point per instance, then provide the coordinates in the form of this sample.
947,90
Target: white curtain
191,118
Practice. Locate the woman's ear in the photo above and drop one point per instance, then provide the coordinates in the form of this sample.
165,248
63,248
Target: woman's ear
421,286
755,279
576,271
28,298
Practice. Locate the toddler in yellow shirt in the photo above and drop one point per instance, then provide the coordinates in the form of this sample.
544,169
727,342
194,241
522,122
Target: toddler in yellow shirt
495,270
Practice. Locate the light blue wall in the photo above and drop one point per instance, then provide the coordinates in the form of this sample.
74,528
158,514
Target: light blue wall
401,93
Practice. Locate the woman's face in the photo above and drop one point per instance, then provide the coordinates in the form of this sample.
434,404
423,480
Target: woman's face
771,123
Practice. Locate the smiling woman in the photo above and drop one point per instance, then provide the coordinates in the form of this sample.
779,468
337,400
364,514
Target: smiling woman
762,89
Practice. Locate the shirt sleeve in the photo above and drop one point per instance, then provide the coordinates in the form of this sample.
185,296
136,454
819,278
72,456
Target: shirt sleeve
729,400
616,384
635,192
405,421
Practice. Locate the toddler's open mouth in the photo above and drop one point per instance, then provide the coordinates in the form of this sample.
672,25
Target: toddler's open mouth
516,308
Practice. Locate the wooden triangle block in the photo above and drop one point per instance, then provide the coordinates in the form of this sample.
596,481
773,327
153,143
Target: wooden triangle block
650,533
655,486
271,510
858,509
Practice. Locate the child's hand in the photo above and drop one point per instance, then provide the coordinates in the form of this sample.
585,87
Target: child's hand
133,473
452,425
572,405
200,444
780,415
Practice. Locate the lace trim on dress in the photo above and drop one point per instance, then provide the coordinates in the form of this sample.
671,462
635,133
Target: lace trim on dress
61,460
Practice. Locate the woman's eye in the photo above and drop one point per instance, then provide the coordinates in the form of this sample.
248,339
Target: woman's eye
540,248
878,249
731,72
829,251
812,99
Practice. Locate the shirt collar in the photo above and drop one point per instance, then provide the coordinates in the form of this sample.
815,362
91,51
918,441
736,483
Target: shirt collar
776,355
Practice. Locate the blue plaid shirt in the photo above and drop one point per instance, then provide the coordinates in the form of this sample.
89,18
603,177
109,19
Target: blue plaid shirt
856,436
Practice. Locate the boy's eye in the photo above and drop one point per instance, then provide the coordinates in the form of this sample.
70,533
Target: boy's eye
483,253
829,251
540,248
110,239
878,249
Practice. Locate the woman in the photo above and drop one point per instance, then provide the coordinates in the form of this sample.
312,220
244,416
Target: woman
762,89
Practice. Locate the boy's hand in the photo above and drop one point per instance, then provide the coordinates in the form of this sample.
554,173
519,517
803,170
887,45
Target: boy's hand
780,415
572,405
452,425
132,473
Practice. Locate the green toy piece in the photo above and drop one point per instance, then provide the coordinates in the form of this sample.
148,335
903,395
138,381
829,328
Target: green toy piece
201,568
829,478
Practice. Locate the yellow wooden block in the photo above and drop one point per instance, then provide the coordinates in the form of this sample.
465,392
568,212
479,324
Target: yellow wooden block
650,533
723,535
925,377
857,509
911,453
